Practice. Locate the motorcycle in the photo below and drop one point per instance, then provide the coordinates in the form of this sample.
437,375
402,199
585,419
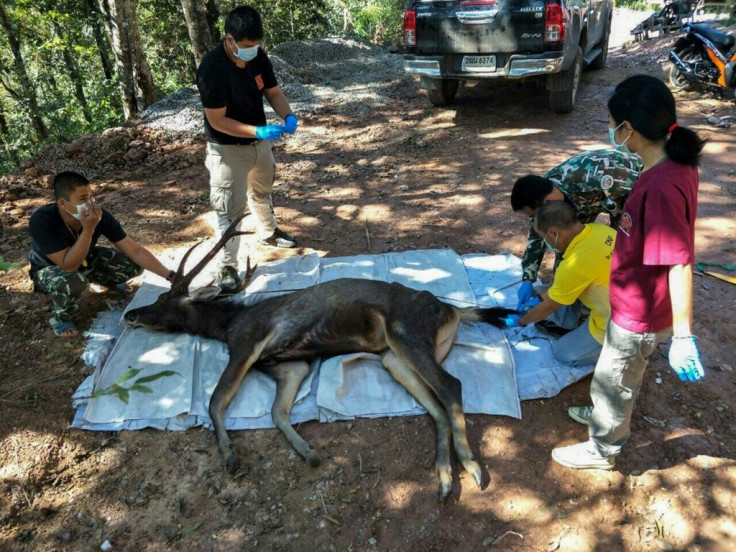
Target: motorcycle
705,57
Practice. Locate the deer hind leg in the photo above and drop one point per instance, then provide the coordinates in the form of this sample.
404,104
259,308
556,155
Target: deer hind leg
419,390
412,348
445,339
289,377
224,392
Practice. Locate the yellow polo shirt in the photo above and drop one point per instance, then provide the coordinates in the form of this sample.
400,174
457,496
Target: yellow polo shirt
583,274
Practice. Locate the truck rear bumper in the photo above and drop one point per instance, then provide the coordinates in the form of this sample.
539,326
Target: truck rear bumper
517,66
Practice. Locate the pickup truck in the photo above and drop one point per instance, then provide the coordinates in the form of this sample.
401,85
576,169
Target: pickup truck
452,41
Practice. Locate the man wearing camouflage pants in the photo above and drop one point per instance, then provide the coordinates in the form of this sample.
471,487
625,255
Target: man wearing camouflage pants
64,255
593,182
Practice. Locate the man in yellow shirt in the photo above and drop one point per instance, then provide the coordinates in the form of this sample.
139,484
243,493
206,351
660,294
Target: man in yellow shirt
582,274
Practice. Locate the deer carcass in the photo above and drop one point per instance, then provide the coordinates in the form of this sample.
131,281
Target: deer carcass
412,330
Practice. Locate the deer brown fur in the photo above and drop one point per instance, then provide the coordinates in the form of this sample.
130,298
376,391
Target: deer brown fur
412,330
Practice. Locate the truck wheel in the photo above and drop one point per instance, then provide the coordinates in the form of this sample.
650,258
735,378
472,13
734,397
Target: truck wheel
563,87
600,61
444,93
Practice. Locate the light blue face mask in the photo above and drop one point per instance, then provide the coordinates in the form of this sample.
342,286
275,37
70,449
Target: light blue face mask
553,248
612,138
245,54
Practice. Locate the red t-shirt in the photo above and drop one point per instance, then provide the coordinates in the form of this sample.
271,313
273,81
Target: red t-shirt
656,231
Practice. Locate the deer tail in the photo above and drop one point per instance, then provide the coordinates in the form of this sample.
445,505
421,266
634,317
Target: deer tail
492,315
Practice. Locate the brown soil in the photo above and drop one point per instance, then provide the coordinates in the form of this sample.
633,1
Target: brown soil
408,176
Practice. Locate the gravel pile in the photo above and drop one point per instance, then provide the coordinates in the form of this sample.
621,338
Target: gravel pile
349,73
179,112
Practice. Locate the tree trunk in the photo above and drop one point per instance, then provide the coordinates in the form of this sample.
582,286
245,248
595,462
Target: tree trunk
212,15
5,133
199,33
29,93
136,82
74,74
93,15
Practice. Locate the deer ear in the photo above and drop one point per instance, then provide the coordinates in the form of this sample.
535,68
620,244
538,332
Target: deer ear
205,293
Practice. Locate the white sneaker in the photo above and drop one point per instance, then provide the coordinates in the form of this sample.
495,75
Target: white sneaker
582,456
580,414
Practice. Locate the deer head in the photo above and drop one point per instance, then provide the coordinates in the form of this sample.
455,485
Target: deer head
174,310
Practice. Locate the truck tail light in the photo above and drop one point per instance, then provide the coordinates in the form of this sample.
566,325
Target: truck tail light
410,28
555,23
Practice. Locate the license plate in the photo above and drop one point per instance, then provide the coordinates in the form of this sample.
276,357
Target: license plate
480,64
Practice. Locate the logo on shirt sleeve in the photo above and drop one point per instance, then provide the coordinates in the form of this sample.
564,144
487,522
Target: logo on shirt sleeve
625,224
259,81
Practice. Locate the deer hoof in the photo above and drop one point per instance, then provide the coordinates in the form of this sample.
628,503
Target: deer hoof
232,463
474,469
444,491
313,459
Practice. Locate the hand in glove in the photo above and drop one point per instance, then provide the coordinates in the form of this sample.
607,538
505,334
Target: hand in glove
525,293
530,304
512,320
290,123
269,132
685,359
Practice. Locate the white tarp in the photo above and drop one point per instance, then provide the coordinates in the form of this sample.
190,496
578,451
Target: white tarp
341,387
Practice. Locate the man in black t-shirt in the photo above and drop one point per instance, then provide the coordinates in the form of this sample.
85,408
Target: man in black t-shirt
65,257
232,79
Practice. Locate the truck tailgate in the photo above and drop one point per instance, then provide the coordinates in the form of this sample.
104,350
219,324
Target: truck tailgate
479,26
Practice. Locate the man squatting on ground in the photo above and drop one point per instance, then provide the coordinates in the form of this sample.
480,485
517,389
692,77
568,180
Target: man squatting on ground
651,285
232,80
582,274
65,257
593,182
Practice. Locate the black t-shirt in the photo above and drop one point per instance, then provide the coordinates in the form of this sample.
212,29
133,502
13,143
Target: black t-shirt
50,234
223,84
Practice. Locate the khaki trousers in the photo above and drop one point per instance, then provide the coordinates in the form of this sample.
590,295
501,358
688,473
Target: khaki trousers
240,176
616,383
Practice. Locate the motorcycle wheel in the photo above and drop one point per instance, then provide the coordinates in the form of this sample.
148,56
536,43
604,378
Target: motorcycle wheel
678,80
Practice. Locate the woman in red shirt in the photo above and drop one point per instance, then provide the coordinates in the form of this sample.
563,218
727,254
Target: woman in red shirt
651,269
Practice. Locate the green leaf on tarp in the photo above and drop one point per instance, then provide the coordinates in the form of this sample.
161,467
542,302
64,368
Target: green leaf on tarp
157,375
131,373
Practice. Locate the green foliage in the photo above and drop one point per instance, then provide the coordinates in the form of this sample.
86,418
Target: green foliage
123,393
4,266
379,21
639,5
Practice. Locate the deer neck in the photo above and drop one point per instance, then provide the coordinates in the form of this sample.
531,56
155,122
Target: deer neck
211,320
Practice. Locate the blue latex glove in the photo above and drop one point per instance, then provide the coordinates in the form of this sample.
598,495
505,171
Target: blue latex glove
685,359
525,293
530,304
269,132
512,320
290,123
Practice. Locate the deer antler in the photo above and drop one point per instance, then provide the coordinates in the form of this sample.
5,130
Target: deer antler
182,281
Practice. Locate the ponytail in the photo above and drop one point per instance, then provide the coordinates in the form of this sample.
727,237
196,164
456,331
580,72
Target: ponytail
648,105
684,146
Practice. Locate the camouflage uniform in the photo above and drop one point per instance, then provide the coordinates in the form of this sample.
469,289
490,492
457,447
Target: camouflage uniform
593,182
104,266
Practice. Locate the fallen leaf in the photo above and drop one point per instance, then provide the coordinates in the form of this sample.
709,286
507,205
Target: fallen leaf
654,421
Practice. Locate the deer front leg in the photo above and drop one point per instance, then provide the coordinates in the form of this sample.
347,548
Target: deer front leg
418,389
289,377
227,386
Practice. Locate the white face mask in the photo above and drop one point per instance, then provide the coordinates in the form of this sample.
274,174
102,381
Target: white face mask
80,209
245,54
